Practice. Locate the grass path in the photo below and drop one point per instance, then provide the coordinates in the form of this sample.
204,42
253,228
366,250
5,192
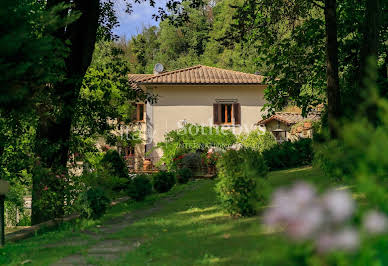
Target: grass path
182,227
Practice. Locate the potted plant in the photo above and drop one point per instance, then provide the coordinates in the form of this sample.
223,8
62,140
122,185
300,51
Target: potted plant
147,165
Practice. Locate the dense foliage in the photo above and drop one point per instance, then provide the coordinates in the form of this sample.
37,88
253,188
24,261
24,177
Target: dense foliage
193,138
240,173
289,154
163,181
105,102
115,163
93,203
183,175
31,57
292,43
358,156
257,140
104,178
203,39
191,160
139,187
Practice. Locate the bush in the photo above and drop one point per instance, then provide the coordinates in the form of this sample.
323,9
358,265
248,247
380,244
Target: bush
289,154
103,177
183,175
93,203
257,140
192,161
115,163
51,189
140,187
193,138
238,177
163,181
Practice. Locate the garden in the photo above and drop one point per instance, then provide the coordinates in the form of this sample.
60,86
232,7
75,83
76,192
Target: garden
257,212
216,198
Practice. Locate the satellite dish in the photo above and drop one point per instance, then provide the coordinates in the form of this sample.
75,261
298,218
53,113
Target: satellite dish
159,68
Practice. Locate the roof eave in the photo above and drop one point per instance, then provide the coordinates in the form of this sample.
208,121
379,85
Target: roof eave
266,121
175,83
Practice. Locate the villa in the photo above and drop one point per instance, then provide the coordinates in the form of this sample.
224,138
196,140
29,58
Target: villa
197,95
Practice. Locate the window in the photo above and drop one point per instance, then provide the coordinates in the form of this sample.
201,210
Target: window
280,135
226,114
139,112
129,151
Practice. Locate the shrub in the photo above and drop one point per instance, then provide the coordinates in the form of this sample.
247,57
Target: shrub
93,203
115,163
239,172
163,181
193,138
52,188
140,187
192,161
103,177
183,175
257,140
289,154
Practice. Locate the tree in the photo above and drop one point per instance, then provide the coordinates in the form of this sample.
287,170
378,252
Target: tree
333,89
200,40
104,97
289,36
292,36
56,112
31,60
30,56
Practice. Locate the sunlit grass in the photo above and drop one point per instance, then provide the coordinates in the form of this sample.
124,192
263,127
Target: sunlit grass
191,229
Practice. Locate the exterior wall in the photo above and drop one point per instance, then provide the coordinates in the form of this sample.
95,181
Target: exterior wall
194,104
301,132
273,125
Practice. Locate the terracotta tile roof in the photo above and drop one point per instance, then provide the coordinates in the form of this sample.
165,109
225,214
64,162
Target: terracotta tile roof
136,77
199,75
291,118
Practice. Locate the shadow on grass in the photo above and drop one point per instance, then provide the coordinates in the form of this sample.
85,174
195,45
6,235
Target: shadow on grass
194,231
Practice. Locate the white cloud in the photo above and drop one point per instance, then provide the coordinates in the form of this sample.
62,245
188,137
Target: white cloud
141,17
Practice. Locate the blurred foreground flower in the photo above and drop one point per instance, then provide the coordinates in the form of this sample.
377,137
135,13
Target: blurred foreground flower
375,222
324,219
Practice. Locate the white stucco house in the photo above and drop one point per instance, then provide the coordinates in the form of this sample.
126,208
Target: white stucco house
197,95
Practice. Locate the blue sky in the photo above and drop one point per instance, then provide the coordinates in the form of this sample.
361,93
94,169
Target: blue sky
141,17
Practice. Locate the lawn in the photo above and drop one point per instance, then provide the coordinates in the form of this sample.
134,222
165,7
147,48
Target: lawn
190,229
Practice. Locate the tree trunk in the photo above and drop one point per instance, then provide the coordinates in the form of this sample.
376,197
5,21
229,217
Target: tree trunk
54,131
371,29
333,89
369,53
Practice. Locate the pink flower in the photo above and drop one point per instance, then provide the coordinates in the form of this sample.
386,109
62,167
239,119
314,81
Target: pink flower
45,188
325,242
375,222
339,204
347,239
307,223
